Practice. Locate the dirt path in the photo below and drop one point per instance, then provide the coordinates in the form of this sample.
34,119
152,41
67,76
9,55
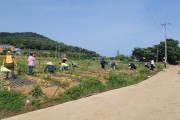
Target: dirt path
157,98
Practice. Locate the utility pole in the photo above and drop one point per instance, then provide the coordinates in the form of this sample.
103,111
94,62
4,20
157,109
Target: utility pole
79,53
164,25
56,52
59,48
157,54
117,53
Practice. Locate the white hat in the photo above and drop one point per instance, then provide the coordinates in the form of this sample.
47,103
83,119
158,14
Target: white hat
64,58
49,63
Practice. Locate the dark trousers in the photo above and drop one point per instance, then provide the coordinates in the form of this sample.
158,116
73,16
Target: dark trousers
10,66
30,70
103,66
12,73
152,67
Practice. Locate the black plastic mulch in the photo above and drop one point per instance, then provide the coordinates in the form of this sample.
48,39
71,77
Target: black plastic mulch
21,82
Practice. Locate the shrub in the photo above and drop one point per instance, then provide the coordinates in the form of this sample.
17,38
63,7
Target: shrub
36,91
36,102
117,80
11,101
85,87
159,67
144,71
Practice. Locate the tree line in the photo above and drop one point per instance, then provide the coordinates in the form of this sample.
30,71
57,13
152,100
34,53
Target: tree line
34,41
157,52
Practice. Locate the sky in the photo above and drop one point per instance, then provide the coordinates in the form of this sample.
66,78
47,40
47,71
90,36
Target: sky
103,26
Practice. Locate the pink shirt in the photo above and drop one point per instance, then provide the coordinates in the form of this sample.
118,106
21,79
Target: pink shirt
31,60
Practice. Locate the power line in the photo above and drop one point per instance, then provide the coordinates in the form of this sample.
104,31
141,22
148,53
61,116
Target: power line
154,15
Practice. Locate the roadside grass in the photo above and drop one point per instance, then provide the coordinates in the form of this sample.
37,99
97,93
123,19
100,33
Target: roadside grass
11,101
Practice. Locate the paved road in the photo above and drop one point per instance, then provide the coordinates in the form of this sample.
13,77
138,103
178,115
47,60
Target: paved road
157,98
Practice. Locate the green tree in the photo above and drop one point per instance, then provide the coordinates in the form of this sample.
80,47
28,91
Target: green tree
139,53
34,41
173,51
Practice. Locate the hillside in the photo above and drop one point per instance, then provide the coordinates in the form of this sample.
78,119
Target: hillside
34,41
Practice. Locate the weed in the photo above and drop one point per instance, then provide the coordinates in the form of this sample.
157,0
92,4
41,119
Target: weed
117,80
85,87
159,67
36,91
144,71
36,102
11,101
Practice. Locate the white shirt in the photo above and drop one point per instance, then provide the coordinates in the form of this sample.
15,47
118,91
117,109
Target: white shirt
152,62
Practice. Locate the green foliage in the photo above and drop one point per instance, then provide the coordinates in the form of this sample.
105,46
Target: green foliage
122,58
159,67
144,71
88,63
11,101
38,43
85,87
22,67
36,102
173,52
117,80
139,53
36,91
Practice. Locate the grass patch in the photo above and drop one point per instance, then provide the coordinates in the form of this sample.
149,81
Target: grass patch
84,88
11,101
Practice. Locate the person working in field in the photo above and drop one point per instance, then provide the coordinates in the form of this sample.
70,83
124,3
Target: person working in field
9,62
63,64
31,60
114,65
73,64
132,66
50,68
152,64
103,63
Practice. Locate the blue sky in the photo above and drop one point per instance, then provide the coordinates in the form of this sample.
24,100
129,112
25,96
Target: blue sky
103,26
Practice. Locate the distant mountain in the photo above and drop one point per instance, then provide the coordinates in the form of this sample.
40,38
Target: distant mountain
29,40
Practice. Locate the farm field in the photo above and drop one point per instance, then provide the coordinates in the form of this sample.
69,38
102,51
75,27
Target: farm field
44,89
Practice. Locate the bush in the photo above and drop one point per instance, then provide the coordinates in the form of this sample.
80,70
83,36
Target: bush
11,101
85,87
36,91
144,71
117,80
36,102
159,67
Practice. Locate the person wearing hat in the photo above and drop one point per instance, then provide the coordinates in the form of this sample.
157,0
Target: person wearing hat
50,68
64,60
9,62
114,65
63,64
132,66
